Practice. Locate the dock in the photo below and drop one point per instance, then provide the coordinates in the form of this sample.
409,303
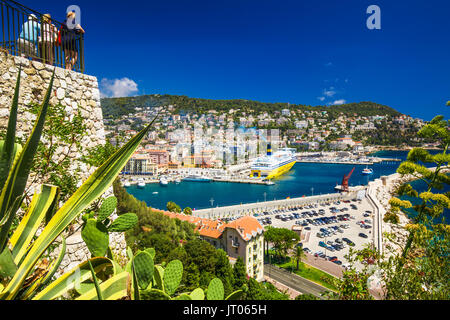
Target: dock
350,162
245,181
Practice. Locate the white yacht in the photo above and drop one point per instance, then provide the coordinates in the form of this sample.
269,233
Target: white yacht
141,183
163,181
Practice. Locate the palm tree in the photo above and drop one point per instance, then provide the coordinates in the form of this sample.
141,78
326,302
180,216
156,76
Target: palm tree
299,254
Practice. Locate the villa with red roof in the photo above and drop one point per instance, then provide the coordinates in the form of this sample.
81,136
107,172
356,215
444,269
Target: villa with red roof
241,238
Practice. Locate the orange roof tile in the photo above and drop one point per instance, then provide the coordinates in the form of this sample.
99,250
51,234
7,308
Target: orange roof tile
247,227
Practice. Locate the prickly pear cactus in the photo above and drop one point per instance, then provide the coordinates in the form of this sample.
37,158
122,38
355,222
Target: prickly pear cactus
151,251
183,296
172,276
158,277
96,237
154,294
124,222
107,208
197,294
144,267
215,290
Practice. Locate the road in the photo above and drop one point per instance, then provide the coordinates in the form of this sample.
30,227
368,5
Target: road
293,281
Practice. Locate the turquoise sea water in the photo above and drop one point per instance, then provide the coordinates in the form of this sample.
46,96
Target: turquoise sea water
299,182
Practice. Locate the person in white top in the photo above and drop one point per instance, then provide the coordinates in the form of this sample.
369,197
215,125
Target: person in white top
47,40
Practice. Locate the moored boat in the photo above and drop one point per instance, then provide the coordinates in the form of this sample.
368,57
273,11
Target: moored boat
141,183
163,181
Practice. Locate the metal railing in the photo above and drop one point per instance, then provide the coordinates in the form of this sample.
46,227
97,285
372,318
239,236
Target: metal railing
30,34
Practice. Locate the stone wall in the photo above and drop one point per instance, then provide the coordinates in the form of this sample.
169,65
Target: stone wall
76,92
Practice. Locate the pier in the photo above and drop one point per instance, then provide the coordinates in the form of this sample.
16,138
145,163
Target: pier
252,208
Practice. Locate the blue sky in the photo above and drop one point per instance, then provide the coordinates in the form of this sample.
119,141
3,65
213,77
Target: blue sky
302,52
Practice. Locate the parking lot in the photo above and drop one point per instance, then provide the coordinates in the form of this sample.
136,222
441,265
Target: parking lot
328,230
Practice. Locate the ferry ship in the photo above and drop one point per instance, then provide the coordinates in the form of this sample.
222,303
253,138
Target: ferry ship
274,165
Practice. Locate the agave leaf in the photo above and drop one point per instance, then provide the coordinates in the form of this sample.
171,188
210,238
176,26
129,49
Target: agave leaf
92,189
7,150
114,288
18,174
27,228
32,290
73,278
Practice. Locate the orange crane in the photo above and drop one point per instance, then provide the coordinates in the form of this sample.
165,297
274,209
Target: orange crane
345,181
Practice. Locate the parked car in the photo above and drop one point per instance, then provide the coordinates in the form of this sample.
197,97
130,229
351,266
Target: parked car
363,235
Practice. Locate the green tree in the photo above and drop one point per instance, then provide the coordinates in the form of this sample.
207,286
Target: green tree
239,274
282,239
224,271
299,254
306,297
173,207
187,211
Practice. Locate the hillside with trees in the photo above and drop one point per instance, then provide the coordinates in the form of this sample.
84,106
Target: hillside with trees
116,107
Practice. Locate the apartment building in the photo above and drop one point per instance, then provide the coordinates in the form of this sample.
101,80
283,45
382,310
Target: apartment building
241,238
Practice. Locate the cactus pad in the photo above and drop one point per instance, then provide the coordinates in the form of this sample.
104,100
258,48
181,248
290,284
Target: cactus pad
107,208
215,290
154,294
158,277
183,296
198,294
172,276
144,267
124,222
235,295
151,251
96,237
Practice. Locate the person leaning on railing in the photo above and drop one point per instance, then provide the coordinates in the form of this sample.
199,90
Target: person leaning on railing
28,38
49,34
69,41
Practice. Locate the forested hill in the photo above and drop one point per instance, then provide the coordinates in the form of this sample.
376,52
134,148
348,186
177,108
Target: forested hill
116,107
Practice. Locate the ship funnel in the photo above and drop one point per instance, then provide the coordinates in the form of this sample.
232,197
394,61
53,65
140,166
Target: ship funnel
269,149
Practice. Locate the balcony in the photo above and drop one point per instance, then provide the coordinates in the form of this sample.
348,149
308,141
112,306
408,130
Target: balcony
20,36
235,244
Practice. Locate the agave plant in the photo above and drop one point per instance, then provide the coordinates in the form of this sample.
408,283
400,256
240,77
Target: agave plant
24,273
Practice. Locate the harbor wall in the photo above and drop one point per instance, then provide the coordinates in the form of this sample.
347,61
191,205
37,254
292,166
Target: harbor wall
252,208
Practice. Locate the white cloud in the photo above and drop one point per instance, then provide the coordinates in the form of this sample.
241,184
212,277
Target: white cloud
116,88
329,92
338,102
321,99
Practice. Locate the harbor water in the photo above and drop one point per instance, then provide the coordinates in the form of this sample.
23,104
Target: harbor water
305,179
